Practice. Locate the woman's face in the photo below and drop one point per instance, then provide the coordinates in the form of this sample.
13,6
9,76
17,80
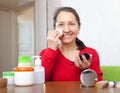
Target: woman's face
66,21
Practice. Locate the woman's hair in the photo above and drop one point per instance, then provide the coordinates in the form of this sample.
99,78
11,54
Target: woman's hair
79,43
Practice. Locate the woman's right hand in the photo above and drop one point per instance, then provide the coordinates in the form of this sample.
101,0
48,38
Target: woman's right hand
52,39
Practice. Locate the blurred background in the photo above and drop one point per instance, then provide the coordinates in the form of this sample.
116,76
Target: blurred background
24,25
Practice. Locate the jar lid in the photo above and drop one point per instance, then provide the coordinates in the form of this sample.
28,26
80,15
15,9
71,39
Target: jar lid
11,73
24,59
23,69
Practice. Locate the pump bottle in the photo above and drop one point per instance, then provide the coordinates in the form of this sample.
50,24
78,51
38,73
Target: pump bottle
39,76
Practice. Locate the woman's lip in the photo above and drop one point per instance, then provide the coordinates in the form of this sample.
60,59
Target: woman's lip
66,35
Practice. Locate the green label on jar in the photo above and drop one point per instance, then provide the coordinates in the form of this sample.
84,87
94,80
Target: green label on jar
11,73
24,59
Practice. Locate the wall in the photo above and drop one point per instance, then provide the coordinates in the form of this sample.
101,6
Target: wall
40,24
26,31
50,11
8,40
100,28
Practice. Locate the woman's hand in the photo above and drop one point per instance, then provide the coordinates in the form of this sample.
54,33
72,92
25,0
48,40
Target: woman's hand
52,39
82,64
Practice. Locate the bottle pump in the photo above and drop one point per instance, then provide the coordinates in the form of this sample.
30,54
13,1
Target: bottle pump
39,76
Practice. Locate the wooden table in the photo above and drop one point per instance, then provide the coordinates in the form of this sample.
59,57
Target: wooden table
57,87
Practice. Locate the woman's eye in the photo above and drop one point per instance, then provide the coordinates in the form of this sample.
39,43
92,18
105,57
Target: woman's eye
71,24
60,25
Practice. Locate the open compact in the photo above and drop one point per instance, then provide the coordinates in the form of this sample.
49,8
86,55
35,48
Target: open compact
88,78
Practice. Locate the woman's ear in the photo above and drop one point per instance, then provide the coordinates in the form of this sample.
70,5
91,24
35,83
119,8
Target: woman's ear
78,31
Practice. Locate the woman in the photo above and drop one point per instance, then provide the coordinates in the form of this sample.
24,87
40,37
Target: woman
61,60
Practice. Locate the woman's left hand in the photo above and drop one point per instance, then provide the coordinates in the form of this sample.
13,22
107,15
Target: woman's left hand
82,64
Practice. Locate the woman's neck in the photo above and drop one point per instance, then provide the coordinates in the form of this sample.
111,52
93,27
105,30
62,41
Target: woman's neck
69,51
68,47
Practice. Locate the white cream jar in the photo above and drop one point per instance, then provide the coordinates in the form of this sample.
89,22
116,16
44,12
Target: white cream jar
23,76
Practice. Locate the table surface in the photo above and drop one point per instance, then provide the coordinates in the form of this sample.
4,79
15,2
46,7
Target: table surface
57,87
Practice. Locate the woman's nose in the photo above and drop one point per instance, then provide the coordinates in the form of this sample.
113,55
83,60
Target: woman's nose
66,28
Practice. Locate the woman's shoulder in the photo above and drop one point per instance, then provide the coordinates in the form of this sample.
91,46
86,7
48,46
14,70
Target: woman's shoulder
89,50
48,50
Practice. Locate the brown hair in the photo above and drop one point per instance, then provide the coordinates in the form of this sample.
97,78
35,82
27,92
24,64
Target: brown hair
79,43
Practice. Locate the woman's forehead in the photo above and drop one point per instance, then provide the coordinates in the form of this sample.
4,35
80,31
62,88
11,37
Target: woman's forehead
66,16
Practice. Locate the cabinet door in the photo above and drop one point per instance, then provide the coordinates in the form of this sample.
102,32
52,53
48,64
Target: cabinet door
7,47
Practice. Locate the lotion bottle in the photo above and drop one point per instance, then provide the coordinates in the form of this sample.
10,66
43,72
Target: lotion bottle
39,76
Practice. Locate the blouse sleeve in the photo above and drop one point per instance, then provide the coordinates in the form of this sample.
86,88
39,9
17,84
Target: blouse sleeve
95,65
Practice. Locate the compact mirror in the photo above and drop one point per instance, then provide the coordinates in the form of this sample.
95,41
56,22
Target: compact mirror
88,77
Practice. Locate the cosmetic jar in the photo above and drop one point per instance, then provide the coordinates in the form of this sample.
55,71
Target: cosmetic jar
9,75
24,61
23,76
